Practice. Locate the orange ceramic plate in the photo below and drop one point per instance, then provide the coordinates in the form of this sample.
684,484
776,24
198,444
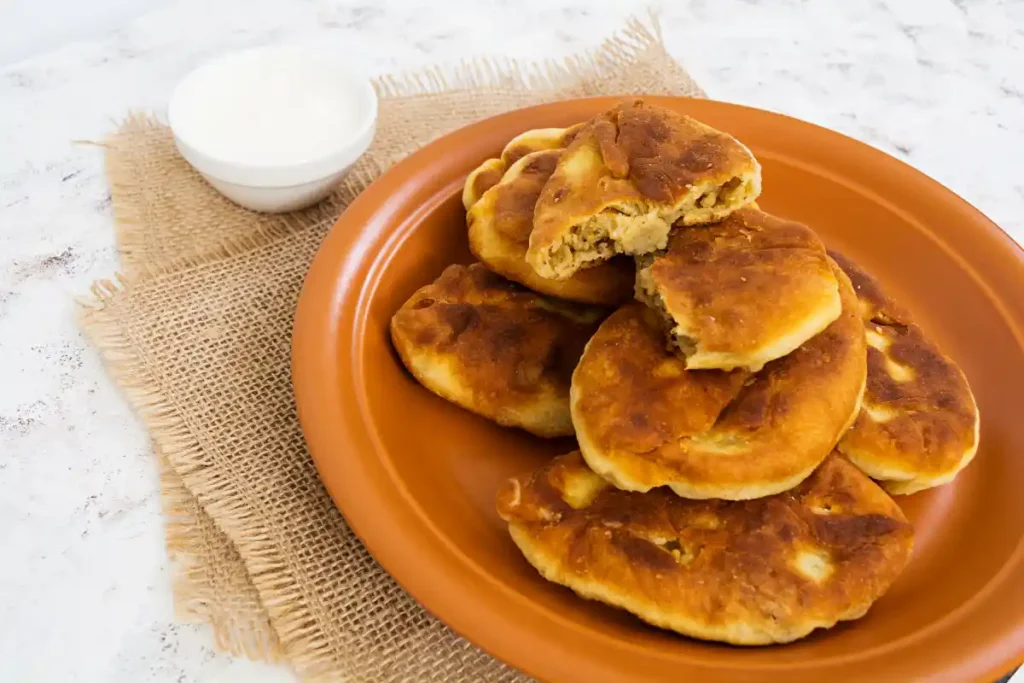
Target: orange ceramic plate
416,476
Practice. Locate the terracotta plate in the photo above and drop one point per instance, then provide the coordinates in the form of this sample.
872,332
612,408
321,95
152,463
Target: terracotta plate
416,476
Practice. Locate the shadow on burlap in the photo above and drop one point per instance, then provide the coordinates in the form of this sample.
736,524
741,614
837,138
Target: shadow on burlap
197,334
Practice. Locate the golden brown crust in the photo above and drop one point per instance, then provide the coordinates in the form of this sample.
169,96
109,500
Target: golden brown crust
536,141
511,208
744,291
482,178
919,423
489,173
627,176
753,572
500,224
494,348
643,420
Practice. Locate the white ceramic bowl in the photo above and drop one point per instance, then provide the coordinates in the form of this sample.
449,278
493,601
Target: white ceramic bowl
273,163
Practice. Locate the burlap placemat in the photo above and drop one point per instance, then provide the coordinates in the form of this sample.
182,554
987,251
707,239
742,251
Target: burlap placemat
197,334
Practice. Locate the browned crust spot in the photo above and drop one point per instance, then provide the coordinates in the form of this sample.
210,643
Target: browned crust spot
741,434
508,348
920,418
750,572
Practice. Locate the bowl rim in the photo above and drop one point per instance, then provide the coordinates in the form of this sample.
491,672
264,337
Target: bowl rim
258,175
315,361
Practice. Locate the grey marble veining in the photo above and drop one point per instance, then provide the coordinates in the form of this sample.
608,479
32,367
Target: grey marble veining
85,588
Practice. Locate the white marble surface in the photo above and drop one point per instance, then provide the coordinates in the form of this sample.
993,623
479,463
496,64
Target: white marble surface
84,582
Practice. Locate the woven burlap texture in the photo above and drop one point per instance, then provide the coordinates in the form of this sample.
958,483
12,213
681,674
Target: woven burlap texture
197,335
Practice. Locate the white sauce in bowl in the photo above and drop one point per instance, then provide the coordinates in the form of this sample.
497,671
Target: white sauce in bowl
273,128
267,107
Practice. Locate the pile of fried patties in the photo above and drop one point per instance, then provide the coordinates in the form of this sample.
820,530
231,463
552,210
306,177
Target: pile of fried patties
745,401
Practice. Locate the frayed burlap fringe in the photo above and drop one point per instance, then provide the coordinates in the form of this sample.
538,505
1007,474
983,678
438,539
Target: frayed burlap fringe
210,584
302,585
405,641
211,490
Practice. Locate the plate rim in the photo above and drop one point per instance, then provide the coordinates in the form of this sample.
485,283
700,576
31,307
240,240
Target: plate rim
317,318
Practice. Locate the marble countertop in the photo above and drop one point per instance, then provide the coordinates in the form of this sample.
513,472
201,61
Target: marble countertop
85,585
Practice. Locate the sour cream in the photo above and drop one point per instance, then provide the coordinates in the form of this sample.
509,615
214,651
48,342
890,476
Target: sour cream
272,117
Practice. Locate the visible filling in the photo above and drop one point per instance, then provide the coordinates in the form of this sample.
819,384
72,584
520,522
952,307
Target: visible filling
722,196
647,293
590,242
708,201
640,228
